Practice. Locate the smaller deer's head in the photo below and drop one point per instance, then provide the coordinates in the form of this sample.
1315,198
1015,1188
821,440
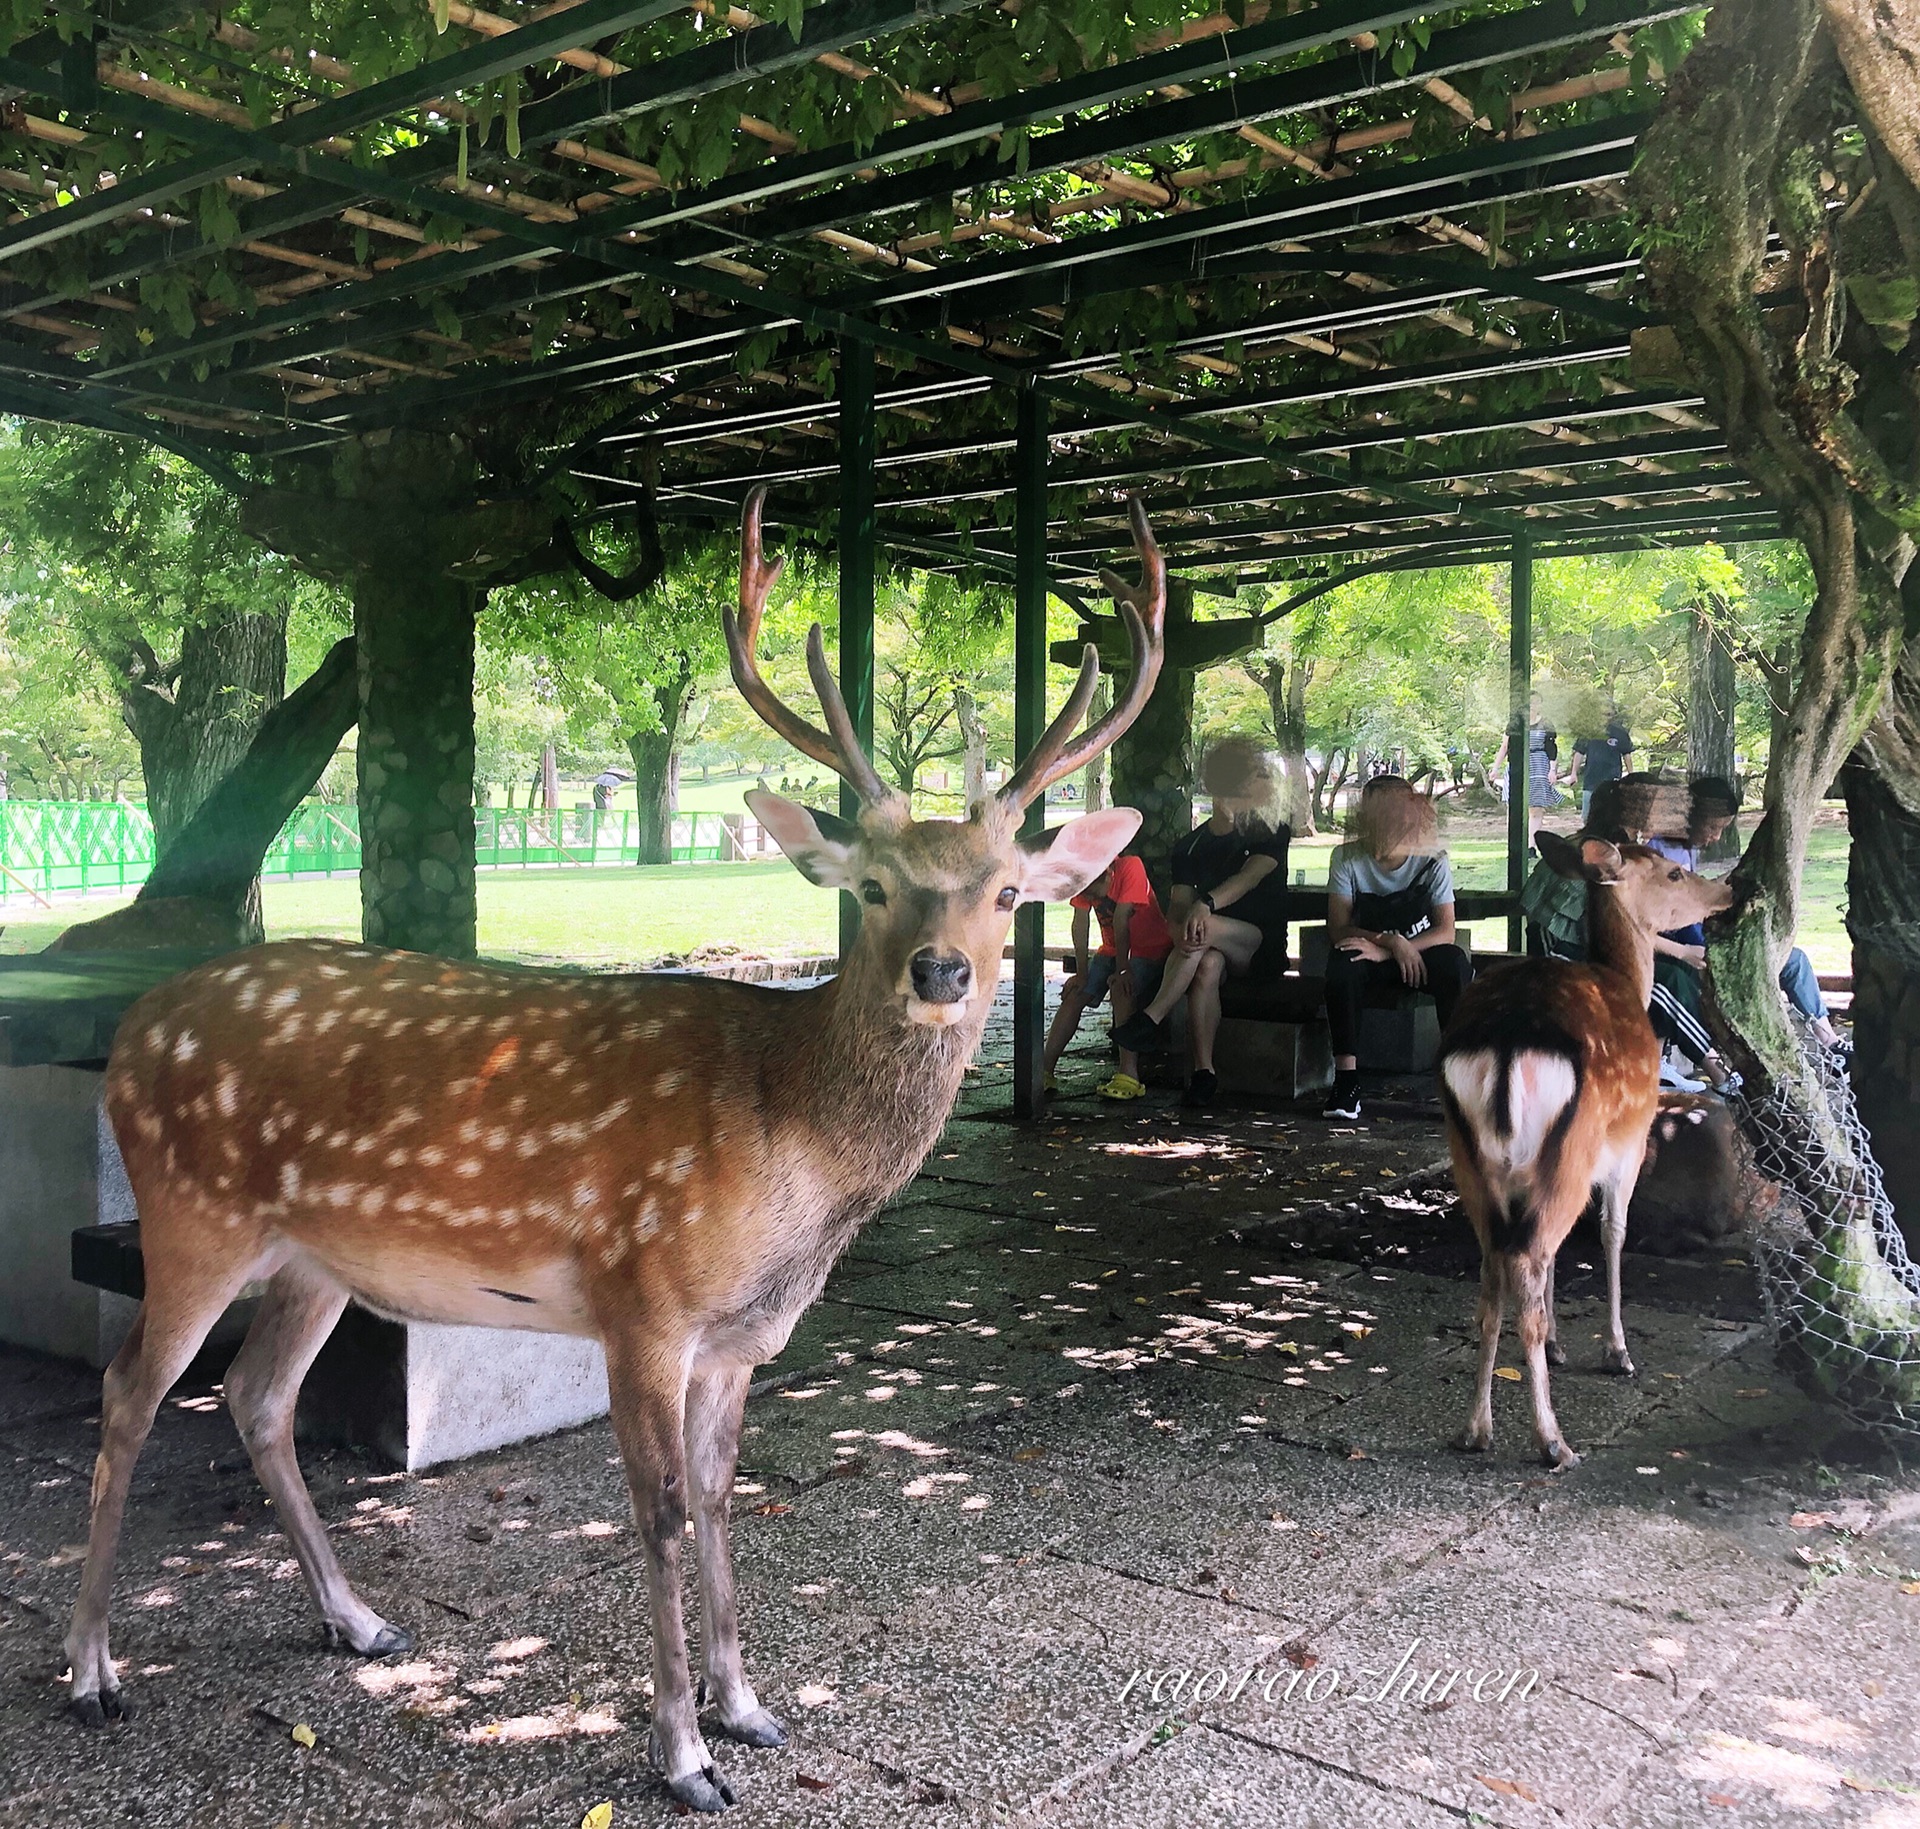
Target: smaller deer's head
937,895
1656,894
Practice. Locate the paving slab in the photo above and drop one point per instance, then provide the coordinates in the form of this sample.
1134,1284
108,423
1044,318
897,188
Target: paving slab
1201,1775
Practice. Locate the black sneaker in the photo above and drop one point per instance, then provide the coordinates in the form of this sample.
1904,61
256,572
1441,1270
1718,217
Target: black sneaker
1344,1100
1139,1034
1201,1088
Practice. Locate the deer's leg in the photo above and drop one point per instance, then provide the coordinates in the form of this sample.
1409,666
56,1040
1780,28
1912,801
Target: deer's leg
263,1383
1477,1436
715,1399
1529,1278
1554,1355
647,1381
1616,1195
177,1315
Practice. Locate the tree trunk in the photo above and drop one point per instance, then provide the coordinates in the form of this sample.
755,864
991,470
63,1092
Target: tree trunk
232,671
655,778
1098,798
1710,703
1882,784
973,747
1284,680
1153,769
394,519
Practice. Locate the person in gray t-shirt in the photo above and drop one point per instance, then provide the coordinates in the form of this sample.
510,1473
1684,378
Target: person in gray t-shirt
1390,921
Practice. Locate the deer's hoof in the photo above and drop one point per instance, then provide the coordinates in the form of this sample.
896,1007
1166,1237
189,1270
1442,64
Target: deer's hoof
1555,1354
390,1641
102,1709
1558,1456
703,1790
1473,1440
1617,1360
756,1729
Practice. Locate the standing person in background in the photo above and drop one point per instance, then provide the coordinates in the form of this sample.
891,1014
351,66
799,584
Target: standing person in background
1229,904
1543,755
1389,922
1134,943
1598,760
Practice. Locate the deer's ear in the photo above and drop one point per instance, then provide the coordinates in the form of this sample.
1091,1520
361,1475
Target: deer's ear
1600,861
1593,859
818,845
1063,860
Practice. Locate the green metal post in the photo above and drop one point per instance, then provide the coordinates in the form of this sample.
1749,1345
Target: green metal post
856,574
1519,692
1029,719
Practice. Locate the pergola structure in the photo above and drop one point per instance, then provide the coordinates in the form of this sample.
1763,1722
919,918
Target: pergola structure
1343,288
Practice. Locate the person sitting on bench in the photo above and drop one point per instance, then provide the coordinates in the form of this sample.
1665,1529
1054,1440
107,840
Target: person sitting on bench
1389,922
1134,943
1229,903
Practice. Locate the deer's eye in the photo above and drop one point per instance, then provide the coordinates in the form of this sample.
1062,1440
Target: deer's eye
872,893
1006,898
1673,876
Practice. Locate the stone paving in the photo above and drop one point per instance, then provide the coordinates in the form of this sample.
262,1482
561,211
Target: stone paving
1107,1486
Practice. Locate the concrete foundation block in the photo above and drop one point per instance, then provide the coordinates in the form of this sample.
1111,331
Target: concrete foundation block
1280,1060
1404,1039
417,1393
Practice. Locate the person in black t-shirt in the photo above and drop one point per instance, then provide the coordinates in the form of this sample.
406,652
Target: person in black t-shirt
1228,904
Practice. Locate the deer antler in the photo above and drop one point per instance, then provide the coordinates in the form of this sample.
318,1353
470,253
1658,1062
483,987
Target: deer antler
840,751
1143,609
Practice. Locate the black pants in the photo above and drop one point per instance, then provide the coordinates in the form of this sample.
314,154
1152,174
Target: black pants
1352,983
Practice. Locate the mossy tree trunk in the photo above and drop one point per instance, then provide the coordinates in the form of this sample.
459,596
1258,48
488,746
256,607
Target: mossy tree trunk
1710,707
1818,402
1153,768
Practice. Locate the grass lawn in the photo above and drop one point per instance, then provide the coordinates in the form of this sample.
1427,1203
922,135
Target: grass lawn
610,918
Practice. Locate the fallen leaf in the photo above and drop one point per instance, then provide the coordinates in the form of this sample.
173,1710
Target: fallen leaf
1720,1797
599,1817
303,1735
1512,1373
807,1782
1035,1453
772,1509
1759,1391
1507,1787
1358,1454
1299,1656
1910,1587
813,1695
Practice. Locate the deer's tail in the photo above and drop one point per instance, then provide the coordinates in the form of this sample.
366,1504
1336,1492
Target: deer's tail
1512,1109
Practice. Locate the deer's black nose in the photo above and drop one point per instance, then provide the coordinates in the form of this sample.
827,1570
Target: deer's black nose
941,977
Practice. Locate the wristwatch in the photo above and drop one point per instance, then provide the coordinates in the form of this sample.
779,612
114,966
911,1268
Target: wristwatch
1207,897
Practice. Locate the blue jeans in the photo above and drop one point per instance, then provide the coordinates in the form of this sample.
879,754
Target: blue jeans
1802,986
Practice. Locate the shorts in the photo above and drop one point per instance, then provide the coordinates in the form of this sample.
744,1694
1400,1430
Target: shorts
1146,977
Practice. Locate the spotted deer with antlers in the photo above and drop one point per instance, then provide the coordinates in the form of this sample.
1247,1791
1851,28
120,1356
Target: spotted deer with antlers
353,1124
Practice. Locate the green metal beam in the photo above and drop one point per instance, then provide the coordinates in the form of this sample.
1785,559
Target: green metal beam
1519,760
855,544
1029,720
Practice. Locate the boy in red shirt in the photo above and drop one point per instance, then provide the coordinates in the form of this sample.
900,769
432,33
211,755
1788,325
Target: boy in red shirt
1134,943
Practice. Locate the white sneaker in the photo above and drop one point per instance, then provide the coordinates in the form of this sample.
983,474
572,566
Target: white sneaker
1673,1079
